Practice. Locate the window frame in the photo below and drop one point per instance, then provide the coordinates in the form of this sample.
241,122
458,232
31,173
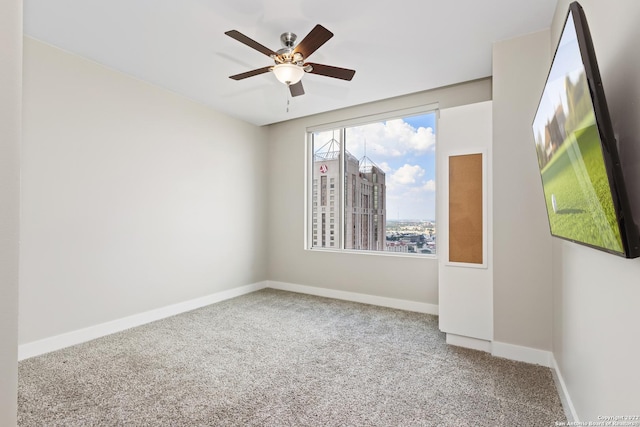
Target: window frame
341,126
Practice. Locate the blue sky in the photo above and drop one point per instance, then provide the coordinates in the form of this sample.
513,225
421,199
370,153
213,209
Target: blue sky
405,150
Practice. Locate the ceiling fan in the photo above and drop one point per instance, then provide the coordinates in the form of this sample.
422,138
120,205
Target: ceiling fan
290,63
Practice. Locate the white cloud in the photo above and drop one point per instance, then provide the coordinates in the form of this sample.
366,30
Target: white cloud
385,167
394,138
407,174
409,194
429,186
409,138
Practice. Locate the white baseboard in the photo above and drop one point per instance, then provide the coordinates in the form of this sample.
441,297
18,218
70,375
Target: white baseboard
521,354
419,307
543,358
68,339
567,404
468,342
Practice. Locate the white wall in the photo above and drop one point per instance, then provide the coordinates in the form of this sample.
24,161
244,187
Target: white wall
597,295
10,103
466,292
406,278
133,198
522,243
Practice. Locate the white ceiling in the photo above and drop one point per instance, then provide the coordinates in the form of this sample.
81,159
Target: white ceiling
396,48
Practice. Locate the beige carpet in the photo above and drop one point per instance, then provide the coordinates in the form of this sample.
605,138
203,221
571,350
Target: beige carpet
274,358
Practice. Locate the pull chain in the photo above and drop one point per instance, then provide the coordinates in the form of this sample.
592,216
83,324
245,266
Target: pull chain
288,101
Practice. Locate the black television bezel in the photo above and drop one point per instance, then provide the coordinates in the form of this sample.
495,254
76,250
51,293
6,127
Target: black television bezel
628,230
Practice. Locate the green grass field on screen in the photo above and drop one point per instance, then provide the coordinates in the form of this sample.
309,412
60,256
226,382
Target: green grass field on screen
577,179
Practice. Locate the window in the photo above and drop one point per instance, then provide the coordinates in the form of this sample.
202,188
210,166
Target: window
381,177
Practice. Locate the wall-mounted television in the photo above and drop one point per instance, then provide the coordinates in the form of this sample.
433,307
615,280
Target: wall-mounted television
576,148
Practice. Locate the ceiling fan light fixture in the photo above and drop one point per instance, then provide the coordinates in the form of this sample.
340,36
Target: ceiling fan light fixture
288,74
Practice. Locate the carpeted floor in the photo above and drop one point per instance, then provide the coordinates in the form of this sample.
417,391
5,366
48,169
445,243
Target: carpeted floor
274,358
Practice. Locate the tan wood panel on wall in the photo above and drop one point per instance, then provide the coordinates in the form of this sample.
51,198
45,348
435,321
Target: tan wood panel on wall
465,209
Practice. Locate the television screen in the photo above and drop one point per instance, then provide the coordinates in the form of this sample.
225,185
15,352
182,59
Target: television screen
576,149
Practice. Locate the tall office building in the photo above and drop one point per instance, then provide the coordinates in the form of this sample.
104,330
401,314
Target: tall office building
364,200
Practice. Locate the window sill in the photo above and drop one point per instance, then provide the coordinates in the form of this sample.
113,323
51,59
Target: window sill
374,253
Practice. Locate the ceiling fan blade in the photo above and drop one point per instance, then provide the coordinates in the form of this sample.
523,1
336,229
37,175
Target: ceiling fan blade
250,42
316,38
329,71
296,89
250,73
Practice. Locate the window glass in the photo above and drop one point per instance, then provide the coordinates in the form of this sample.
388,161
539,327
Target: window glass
386,171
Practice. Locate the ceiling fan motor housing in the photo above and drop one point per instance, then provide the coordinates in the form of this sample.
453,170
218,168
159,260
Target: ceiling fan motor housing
288,39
